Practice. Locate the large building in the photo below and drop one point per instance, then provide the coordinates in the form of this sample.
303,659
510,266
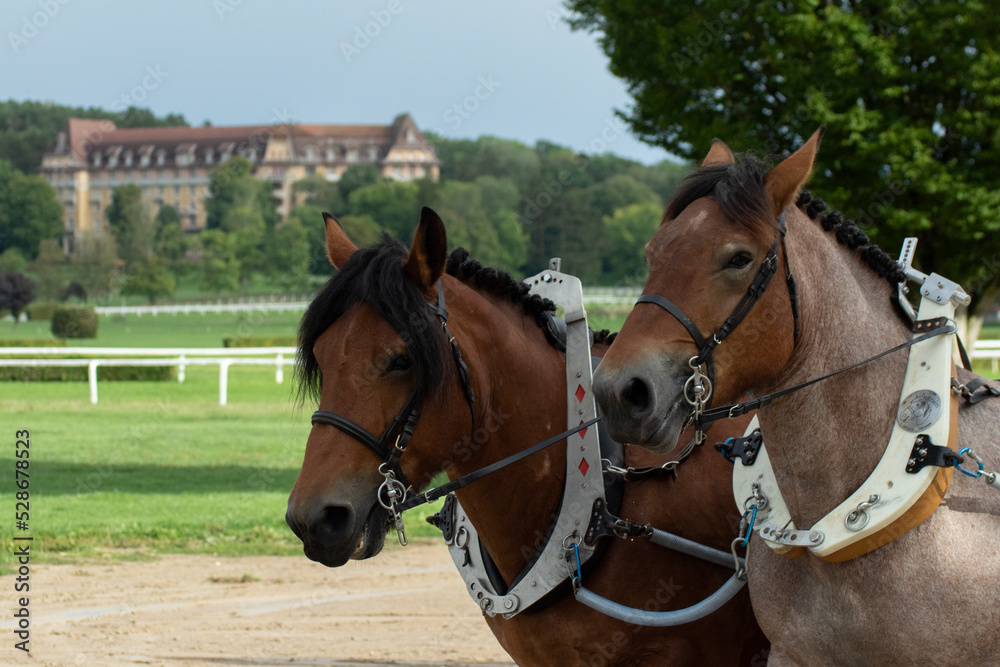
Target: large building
171,164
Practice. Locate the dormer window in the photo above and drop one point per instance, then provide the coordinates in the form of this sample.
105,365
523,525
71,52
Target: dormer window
352,155
410,136
209,155
373,154
97,159
331,155
310,154
128,158
161,156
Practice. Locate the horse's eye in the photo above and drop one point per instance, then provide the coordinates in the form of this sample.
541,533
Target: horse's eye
740,261
399,362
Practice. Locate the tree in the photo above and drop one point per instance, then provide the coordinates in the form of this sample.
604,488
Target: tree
170,244
150,278
28,129
220,270
12,260
316,191
288,255
94,263
131,223
50,269
16,292
357,176
626,233
393,204
29,211
232,185
905,90
618,192
361,229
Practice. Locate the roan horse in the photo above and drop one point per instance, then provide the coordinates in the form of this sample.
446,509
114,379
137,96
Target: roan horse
370,337
928,597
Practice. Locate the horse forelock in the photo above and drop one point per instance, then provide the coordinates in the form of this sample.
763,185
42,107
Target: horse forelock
737,188
375,276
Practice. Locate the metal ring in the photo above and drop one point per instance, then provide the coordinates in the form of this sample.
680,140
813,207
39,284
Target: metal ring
574,535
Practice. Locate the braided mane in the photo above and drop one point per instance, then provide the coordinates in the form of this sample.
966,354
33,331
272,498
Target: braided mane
848,234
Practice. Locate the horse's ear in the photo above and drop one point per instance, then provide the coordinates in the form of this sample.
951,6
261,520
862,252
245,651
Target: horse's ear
429,255
784,181
339,248
719,153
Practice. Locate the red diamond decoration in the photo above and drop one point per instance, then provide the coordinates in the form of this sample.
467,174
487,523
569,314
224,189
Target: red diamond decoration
580,393
582,432
584,466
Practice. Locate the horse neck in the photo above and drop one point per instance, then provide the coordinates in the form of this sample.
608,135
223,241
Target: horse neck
520,385
825,440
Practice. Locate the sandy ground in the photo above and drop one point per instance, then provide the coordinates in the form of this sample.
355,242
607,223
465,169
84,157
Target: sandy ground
404,607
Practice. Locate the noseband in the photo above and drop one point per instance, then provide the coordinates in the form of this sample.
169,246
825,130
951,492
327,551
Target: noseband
400,429
698,388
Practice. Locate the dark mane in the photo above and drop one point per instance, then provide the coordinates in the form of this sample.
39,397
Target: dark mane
738,189
500,284
374,275
848,234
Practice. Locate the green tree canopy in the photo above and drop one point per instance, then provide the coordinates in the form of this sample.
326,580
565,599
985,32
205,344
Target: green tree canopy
393,204
357,176
232,185
29,211
287,255
16,291
219,267
94,263
28,129
907,90
131,223
150,278
626,232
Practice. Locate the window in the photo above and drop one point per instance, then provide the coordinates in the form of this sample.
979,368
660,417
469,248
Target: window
410,136
352,155
144,160
97,159
209,154
177,191
128,158
161,156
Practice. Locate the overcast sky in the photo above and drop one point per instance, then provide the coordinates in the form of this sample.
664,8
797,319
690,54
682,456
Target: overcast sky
513,68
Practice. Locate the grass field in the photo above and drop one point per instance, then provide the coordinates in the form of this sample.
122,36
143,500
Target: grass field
160,466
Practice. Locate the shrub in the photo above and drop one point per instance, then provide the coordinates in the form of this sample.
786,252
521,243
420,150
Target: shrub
42,311
74,323
79,373
33,342
259,341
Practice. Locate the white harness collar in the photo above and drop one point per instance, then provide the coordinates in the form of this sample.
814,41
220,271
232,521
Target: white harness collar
892,500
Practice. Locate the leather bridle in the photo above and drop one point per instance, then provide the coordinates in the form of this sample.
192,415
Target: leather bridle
698,388
400,429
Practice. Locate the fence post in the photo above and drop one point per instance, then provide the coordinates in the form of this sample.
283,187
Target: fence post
279,374
92,379
223,381
180,370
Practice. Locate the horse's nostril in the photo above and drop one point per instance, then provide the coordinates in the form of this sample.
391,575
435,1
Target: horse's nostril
636,394
334,521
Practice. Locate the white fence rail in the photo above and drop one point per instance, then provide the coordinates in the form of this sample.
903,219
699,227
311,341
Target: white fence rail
595,295
224,357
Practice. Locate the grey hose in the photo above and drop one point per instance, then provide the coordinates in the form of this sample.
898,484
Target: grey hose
661,619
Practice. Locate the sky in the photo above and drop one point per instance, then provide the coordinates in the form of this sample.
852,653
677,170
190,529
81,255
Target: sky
511,69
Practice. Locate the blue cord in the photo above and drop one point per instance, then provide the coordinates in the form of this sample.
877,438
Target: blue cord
579,570
753,518
726,456
974,475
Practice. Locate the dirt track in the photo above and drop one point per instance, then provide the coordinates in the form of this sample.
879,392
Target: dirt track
405,607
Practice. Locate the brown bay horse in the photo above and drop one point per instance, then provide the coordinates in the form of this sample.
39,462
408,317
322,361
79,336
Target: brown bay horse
929,596
369,339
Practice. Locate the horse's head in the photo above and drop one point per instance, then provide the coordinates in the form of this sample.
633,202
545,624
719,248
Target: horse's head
719,235
373,349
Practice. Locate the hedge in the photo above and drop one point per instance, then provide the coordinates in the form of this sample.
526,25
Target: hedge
42,311
79,373
259,341
74,323
33,342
